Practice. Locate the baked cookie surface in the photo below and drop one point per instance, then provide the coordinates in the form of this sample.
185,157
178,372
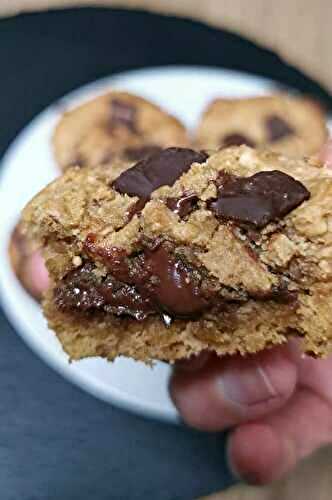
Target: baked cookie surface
294,126
114,125
185,252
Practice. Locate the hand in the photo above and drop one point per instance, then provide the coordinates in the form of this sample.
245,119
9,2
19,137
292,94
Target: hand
278,404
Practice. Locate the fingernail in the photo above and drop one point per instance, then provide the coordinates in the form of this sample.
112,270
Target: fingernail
247,387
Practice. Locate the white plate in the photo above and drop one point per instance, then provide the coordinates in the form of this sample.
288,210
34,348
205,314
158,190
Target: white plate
28,165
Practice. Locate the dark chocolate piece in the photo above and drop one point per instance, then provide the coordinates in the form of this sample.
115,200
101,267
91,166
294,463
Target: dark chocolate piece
160,169
174,286
140,152
123,114
78,290
282,295
183,205
236,140
136,208
258,199
121,298
277,128
81,290
113,257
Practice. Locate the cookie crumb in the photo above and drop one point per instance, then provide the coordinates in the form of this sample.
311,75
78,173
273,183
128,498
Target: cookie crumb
77,261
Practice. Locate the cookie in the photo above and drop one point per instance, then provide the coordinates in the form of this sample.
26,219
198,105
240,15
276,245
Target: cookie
291,125
114,125
26,262
183,253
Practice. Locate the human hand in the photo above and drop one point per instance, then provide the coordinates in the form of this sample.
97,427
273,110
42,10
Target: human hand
278,405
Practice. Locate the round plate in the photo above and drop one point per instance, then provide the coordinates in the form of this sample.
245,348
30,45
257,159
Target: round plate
29,165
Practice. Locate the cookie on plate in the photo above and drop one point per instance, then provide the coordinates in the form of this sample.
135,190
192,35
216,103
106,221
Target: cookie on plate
114,125
295,126
185,252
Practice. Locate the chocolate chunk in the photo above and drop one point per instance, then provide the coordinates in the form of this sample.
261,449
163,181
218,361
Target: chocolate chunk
282,295
160,169
183,205
258,199
236,140
81,290
115,258
123,299
136,208
78,290
123,114
277,128
140,152
174,286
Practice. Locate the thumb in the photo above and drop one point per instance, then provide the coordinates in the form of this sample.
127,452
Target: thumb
229,391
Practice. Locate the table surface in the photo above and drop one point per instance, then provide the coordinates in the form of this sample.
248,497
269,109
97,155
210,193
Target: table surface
55,440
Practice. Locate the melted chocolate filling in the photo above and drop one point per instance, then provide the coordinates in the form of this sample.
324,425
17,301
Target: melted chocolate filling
155,281
81,290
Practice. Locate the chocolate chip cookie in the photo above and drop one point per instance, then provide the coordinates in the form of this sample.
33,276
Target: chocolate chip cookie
185,252
114,125
292,125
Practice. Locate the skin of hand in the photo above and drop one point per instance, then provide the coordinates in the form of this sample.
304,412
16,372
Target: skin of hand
277,404
34,275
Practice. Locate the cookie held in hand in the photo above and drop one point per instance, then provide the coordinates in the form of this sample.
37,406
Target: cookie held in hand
185,252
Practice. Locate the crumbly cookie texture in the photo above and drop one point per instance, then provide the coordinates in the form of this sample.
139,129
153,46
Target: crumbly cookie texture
114,125
294,126
227,253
